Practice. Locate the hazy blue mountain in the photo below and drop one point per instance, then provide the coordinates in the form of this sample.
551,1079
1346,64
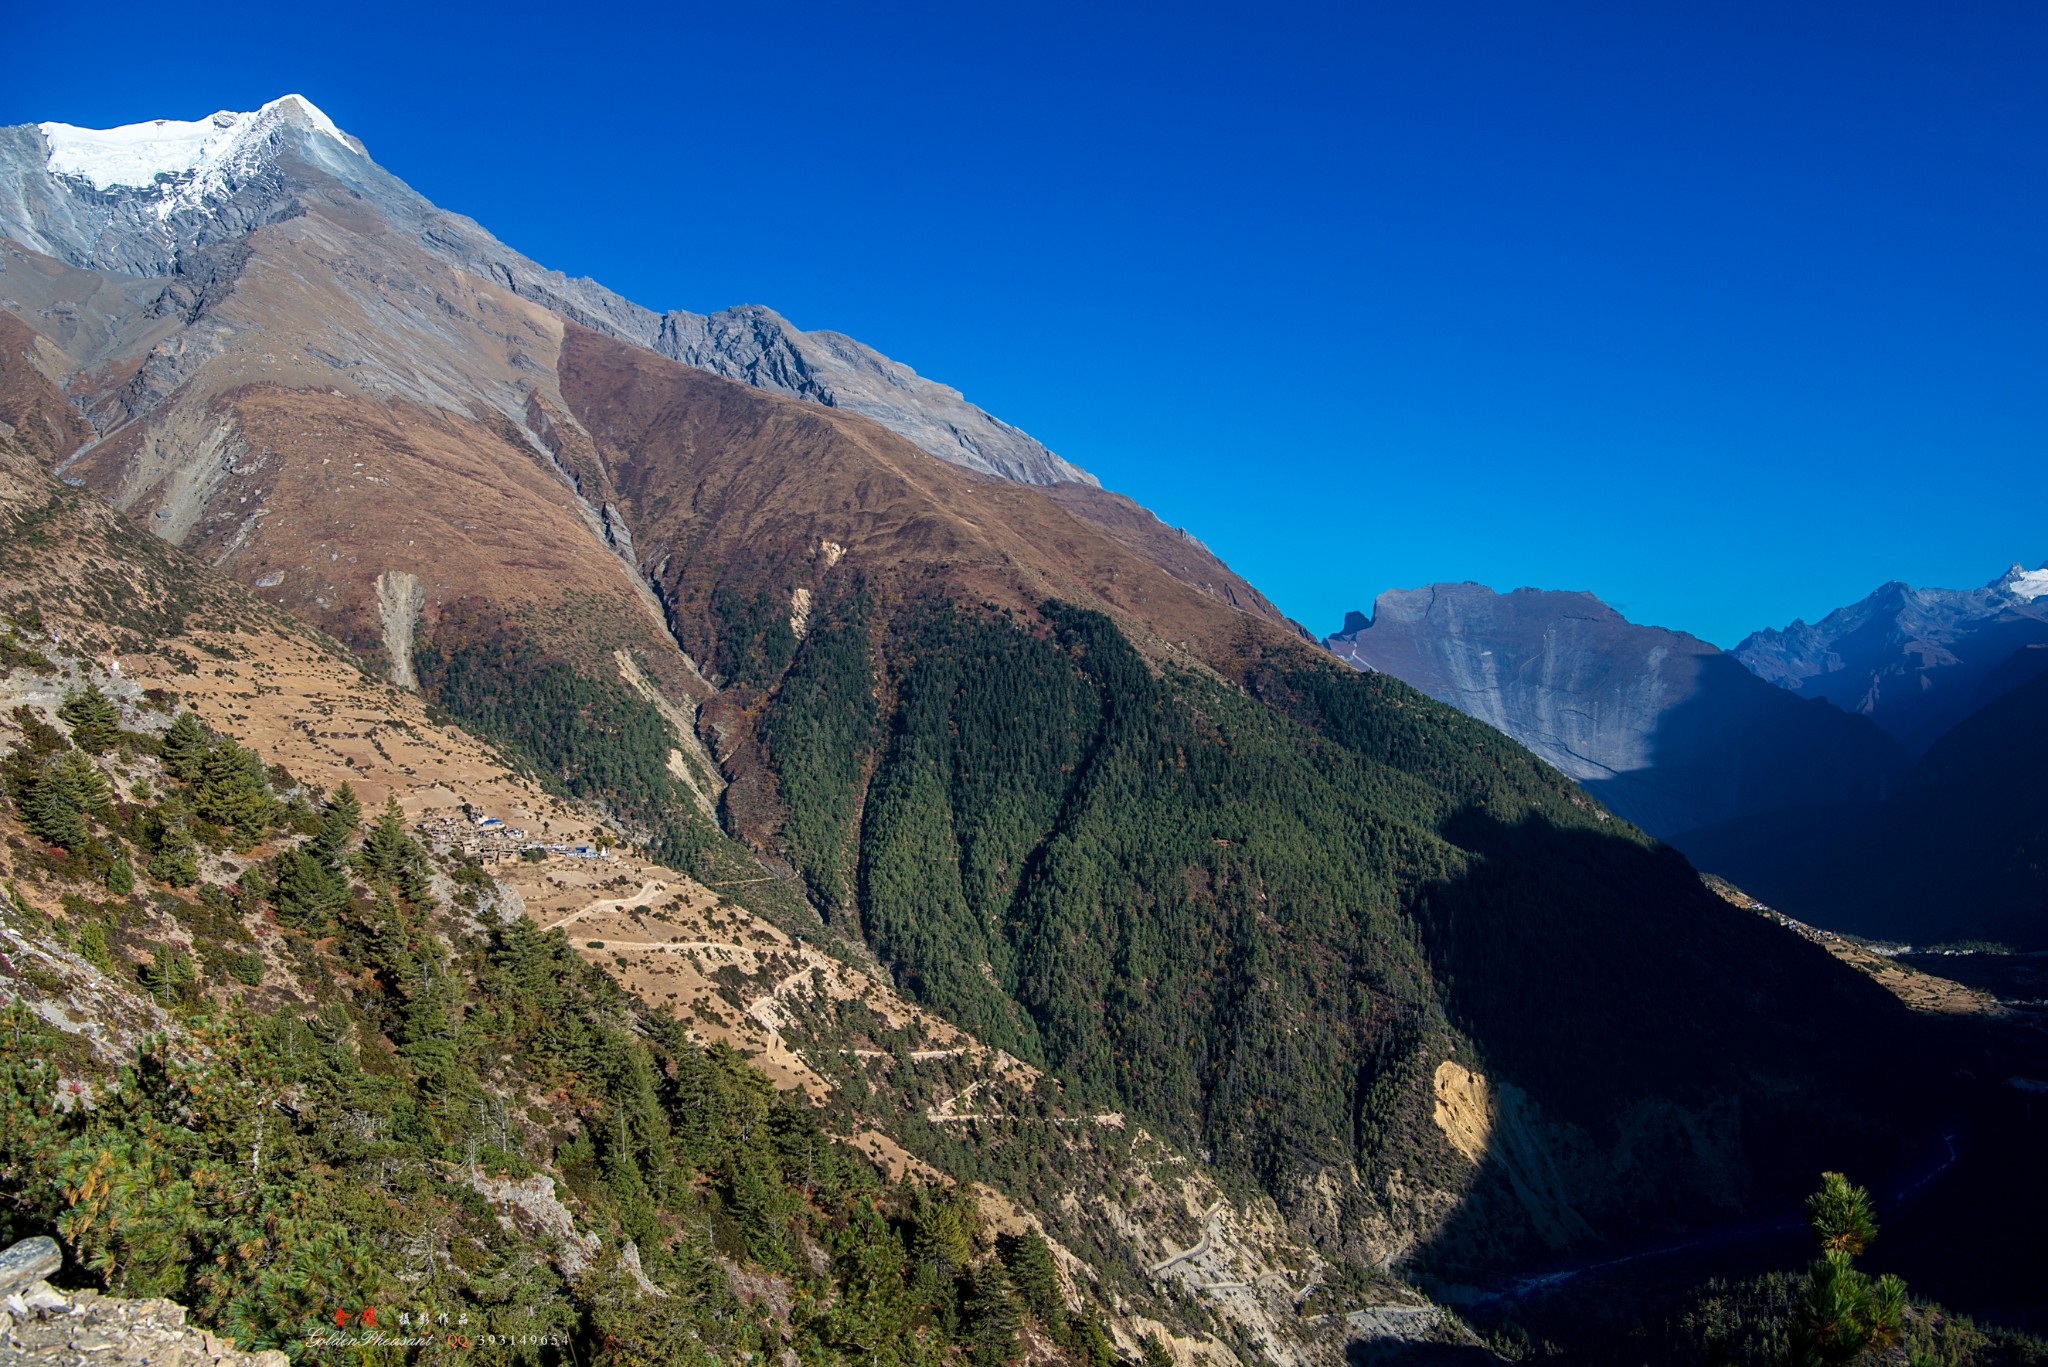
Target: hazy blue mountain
1915,661
1666,729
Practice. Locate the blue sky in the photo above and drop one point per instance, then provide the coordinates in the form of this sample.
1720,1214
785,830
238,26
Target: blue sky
1728,313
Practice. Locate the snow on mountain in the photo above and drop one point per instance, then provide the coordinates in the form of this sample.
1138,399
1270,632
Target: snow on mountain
2026,584
154,199
183,162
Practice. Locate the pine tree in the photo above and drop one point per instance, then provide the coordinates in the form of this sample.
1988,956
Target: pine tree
51,816
173,860
1033,1272
426,1032
339,819
1843,1311
1840,1215
59,796
1887,1314
92,946
309,893
170,976
1093,1342
184,748
94,720
389,852
946,1231
873,1309
760,1204
233,792
993,1315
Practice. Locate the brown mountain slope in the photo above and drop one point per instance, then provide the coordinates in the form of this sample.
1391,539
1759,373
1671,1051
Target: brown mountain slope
39,413
725,485
372,437
1172,549
318,496
353,324
229,400
246,435
362,434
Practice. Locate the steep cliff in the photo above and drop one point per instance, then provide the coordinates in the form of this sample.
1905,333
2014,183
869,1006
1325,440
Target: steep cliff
1664,728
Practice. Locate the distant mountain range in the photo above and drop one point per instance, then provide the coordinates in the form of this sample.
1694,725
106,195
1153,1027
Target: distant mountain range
1958,852
1875,772
1915,661
1664,728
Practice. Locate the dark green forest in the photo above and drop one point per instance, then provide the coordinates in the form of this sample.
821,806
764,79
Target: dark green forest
1258,914
823,720
593,737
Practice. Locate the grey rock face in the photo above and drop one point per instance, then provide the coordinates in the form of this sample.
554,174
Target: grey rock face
287,160
759,346
29,1261
1541,666
1915,661
135,230
43,1326
1663,727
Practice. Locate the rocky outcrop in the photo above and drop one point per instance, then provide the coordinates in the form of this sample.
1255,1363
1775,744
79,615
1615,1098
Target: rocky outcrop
134,230
1915,661
41,1326
759,346
1663,727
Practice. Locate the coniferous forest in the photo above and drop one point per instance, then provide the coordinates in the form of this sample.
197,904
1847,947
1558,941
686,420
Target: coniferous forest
1260,914
272,1161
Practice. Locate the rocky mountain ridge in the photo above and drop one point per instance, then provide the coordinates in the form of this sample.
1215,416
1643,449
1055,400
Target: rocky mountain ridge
42,1326
66,193
223,352
1915,661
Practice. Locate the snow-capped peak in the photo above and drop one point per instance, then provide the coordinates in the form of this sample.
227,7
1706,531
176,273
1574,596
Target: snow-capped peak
181,162
2025,584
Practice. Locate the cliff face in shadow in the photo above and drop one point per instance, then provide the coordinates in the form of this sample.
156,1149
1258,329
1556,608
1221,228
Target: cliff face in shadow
1667,730
1757,773
1718,1102
1959,852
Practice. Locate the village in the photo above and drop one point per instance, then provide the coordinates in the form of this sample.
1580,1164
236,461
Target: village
489,839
